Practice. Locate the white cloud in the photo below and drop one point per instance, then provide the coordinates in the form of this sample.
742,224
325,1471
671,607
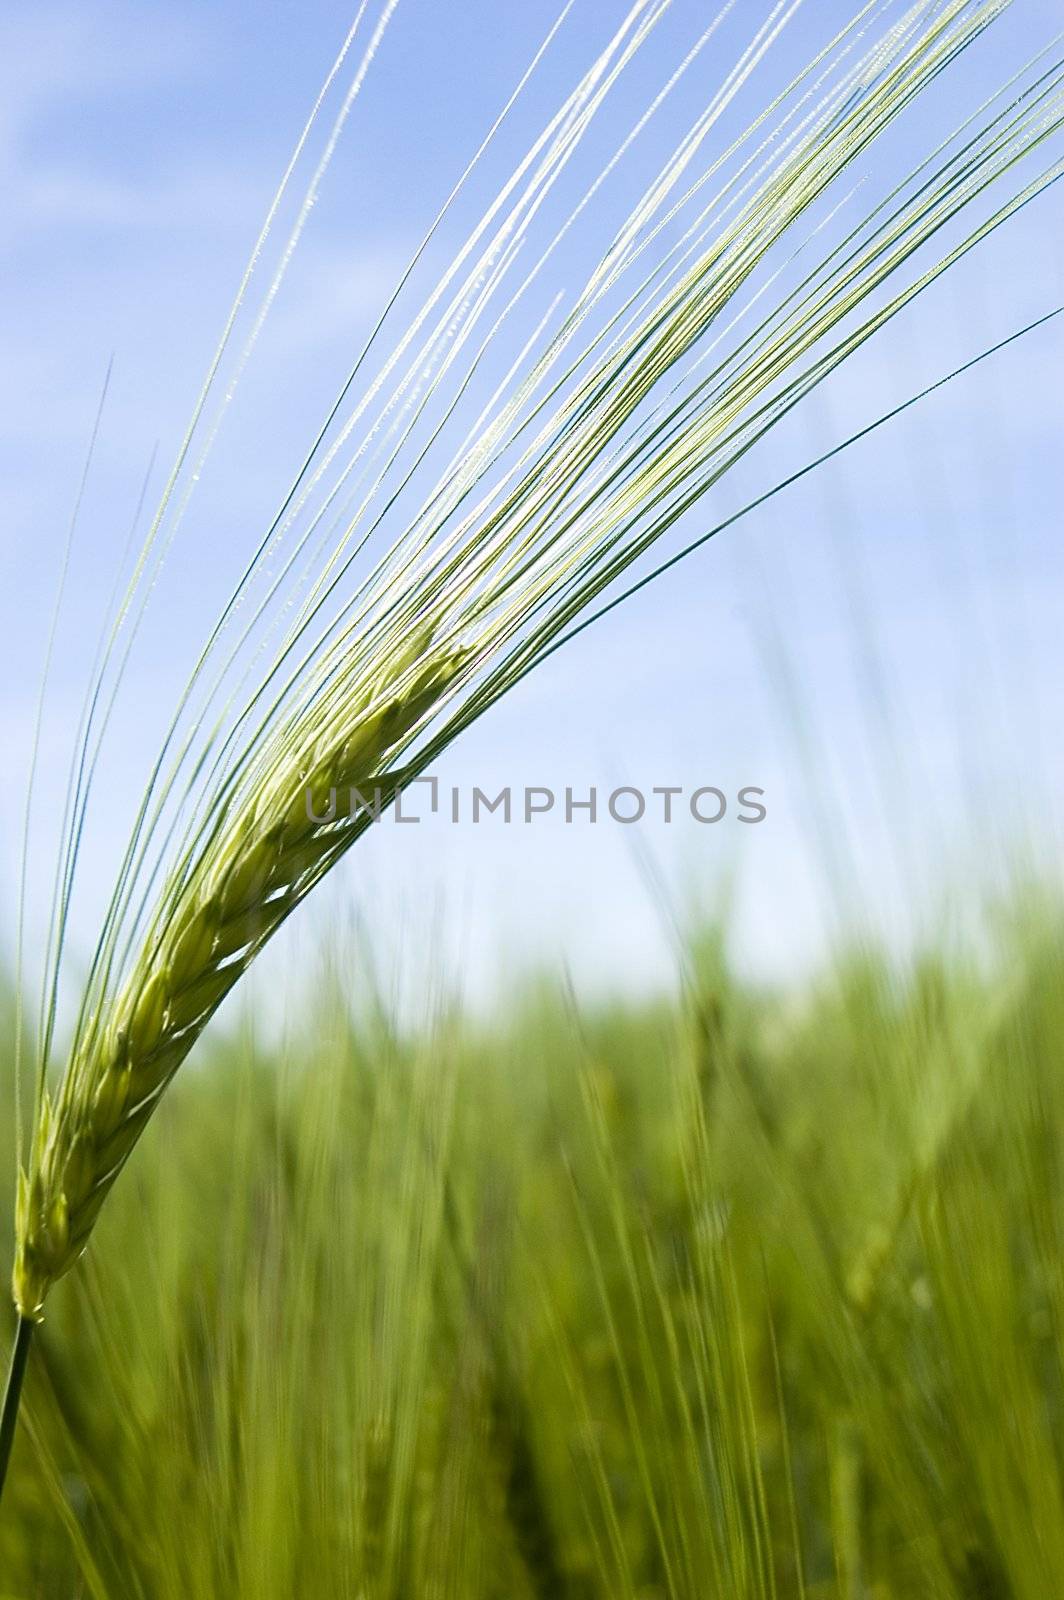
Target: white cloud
61,64
58,54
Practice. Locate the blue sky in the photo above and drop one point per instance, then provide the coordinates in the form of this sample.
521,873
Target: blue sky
878,649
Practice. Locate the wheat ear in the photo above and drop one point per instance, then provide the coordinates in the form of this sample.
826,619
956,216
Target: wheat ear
260,867
567,478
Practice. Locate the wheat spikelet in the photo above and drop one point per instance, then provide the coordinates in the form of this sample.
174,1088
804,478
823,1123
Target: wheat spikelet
571,472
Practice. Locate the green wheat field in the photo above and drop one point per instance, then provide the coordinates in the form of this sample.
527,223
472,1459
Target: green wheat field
732,1295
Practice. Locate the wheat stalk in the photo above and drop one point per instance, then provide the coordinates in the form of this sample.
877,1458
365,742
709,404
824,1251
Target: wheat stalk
586,454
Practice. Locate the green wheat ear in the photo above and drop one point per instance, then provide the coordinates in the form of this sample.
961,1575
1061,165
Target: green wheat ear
256,870
588,455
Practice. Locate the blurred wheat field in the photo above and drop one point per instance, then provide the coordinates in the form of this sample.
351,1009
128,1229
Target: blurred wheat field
732,1295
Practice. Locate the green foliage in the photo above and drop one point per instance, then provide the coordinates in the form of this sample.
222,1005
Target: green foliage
738,1296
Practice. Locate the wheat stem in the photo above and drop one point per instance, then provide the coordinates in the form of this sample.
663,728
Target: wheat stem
13,1393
